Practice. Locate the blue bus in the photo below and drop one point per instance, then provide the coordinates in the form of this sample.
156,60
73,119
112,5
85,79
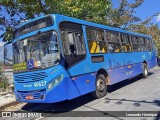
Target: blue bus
59,58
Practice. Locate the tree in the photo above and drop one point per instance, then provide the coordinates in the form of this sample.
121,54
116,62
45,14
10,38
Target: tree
8,22
93,10
98,11
147,27
123,15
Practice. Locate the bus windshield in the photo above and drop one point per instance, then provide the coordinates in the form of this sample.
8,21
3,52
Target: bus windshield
37,52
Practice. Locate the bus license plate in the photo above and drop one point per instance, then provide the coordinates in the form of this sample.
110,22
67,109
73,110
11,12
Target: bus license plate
29,97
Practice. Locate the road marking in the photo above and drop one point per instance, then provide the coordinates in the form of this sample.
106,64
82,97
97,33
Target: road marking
39,118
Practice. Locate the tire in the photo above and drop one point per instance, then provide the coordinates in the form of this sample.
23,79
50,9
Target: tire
145,71
101,87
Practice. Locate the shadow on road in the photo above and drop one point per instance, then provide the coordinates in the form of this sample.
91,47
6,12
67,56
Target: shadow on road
124,83
80,101
135,102
67,105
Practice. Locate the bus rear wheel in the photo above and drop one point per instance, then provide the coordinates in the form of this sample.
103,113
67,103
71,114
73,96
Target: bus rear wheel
101,87
145,71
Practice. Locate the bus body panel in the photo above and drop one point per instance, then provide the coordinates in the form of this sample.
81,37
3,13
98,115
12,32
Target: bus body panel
68,89
38,88
80,78
153,61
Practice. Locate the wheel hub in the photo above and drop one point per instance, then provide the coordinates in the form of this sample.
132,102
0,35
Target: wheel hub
145,71
100,85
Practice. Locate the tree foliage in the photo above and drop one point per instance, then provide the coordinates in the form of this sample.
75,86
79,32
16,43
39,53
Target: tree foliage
123,15
99,11
93,10
149,28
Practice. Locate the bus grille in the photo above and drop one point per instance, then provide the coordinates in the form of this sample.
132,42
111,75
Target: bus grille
36,94
30,77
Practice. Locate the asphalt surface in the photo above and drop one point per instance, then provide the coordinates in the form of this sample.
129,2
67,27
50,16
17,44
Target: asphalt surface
137,94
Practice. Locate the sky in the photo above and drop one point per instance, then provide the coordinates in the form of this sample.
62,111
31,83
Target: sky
147,9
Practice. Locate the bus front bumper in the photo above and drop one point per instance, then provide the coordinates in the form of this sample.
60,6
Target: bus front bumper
56,94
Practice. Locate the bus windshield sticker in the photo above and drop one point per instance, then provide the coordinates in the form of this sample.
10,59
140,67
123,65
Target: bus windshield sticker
25,42
30,64
37,64
20,66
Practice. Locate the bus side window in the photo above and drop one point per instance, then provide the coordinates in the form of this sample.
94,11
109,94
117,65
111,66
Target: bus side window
113,40
143,45
72,42
117,42
136,44
96,42
126,43
65,41
110,41
80,48
150,45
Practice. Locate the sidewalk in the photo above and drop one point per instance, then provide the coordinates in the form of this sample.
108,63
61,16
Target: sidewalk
6,99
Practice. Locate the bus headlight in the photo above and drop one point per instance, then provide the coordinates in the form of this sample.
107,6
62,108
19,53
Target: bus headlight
55,82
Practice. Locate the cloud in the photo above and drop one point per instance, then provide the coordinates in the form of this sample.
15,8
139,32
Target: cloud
158,18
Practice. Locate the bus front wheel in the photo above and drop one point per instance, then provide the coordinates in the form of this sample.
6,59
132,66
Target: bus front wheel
145,71
101,87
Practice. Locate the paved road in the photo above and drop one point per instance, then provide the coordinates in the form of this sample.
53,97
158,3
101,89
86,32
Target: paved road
136,94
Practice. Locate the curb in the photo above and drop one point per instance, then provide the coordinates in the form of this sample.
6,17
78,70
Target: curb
11,103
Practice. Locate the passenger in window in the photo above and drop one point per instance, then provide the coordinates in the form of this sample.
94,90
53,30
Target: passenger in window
124,48
72,50
111,47
116,49
128,48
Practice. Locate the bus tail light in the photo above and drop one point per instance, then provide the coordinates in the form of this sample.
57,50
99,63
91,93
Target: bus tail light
55,82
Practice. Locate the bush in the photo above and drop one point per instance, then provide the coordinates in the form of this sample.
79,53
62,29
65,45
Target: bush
2,84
